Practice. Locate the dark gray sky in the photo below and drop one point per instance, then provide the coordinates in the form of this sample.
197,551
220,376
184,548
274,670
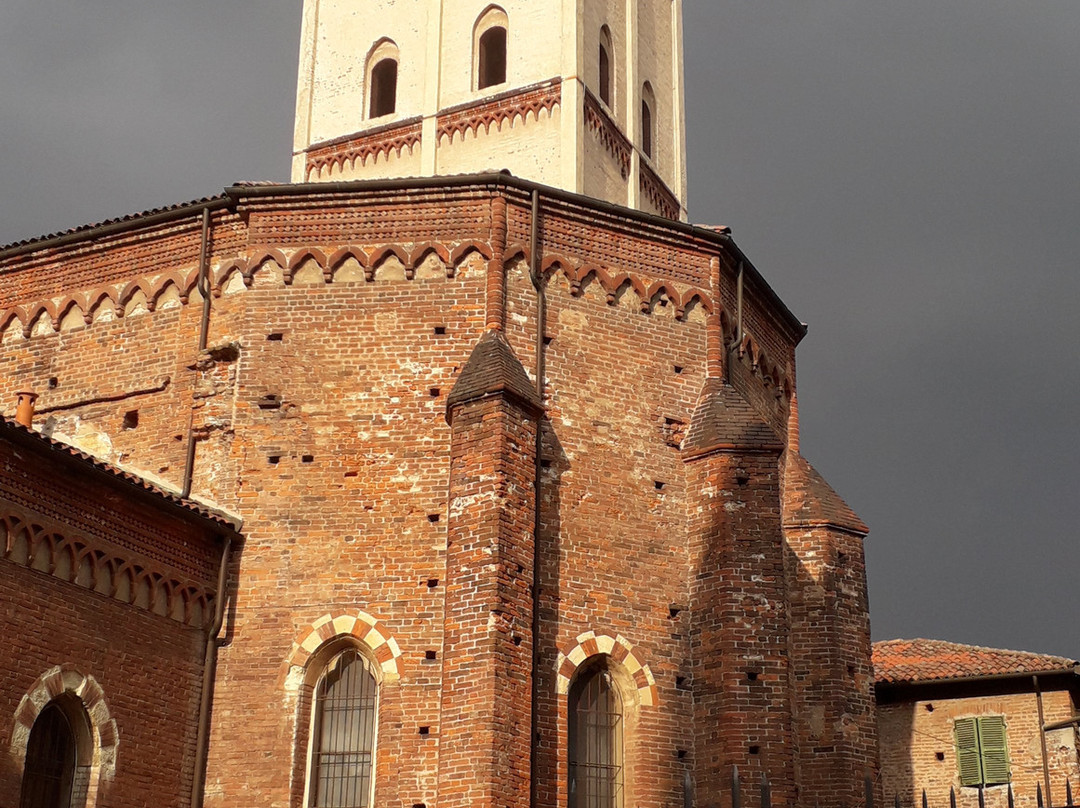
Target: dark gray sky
906,175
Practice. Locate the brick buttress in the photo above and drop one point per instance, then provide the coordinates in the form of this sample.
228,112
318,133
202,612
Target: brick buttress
485,729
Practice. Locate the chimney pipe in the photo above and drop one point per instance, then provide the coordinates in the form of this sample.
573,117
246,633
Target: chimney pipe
24,412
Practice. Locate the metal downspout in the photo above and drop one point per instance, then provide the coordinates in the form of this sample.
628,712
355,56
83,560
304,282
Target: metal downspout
535,273
204,332
1042,738
202,737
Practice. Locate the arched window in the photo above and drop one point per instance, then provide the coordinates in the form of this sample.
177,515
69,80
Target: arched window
58,756
596,741
343,733
490,48
382,79
648,105
607,72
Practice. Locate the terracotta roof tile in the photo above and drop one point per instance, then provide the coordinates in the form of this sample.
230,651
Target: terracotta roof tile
493,368
724,419
897,661
130,217
11,430
809,500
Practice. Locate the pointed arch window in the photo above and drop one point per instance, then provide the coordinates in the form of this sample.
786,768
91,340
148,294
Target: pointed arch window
606,65
596,741
490,46
648,124
343,733
58,756
382,79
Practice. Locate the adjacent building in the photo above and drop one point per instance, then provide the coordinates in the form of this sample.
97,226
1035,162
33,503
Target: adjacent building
964,718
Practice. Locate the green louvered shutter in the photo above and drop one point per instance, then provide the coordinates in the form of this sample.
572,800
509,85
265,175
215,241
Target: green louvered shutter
995,752
967,751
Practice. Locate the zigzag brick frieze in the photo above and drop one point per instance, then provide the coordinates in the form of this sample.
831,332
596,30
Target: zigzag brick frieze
167,290
84,562
376,144
600,124
496,111
658,193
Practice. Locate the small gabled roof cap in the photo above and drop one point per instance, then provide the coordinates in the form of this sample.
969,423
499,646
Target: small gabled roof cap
811,502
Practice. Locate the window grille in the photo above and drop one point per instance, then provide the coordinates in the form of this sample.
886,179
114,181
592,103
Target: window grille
344,734
596,742
384,88
50,761
492,67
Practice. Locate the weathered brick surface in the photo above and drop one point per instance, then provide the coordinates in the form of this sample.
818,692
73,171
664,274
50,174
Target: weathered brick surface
110,597
918,750
340,323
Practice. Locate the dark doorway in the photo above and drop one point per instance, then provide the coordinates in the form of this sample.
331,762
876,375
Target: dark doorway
50,761
492,57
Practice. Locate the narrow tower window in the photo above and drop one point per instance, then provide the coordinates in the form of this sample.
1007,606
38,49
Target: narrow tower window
383,88
605,66
382,79
490,47
596,741
343,737
648,104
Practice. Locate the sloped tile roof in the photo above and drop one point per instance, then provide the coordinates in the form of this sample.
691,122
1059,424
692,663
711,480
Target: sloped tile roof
809,500
132,218
910,661
11,430
724,419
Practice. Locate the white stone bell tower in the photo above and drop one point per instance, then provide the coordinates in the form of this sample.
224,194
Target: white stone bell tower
584,95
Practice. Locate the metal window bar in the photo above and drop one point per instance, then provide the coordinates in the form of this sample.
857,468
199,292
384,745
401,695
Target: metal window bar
596,754
345,733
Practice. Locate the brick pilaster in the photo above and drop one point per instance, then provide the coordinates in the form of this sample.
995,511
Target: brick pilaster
485,723
738,602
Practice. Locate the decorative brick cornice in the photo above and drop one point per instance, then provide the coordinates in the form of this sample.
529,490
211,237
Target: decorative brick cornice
600,124
619,649
87,563
508,106
657,192
377,143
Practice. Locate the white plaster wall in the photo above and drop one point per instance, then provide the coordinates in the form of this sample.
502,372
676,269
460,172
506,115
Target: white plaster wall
529,149
344,32
603,176
533,51
594,15
656,65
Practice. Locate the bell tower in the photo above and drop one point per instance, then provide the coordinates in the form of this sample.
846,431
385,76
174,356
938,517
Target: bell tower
583,95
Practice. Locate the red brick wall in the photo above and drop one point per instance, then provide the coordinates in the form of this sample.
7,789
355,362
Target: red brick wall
103,587
320,419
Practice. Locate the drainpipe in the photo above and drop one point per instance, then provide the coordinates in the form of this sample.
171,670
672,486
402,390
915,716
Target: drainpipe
1042,738
204,331
738,323
202,738
24,410
535,274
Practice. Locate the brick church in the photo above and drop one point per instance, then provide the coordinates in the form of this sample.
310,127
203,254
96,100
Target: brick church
461,472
